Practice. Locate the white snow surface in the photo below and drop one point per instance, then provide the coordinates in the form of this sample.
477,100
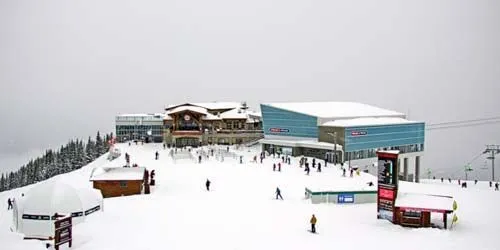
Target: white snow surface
336,110
367,121
240,211
410,200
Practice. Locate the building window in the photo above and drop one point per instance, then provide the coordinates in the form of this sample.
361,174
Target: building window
412,214
123,184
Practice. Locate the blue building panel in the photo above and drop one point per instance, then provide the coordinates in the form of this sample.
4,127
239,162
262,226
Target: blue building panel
287,123
370,137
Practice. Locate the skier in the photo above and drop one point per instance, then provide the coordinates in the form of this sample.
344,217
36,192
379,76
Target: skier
490,183
278,193
9,203
207,184
351,172
241,159
152,178
314,163
199,158
313,223
283,159
164,145
449,180
441,179
496,186
274,166
343,172
157,155
279,166
475,182
319,166
307,169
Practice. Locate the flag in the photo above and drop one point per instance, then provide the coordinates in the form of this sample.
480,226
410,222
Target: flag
455,218
455,206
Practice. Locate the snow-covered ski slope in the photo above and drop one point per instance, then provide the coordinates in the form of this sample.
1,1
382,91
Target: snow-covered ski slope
240,211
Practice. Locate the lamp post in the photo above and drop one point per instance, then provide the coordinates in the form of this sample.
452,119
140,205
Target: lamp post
334,134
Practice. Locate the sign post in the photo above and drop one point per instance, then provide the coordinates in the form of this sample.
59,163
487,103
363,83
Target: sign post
63,231
388,171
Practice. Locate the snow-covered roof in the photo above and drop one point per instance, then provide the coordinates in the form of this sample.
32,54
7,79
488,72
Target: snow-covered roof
339,110
234,114
167,117
426,202
389,151
210,117
208,105
314,143
118,174
188,108
217,105
367,121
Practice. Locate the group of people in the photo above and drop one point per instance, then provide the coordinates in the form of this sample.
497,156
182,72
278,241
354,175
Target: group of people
463,184
304,162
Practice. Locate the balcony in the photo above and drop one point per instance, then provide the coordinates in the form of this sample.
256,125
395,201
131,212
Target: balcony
187,133
237,131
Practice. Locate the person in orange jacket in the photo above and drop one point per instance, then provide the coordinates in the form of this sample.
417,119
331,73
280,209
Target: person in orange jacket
313,223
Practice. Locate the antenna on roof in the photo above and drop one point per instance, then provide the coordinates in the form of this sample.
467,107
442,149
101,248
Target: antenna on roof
244,105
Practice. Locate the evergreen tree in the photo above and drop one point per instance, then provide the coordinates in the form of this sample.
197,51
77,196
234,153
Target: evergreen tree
2,183
90,150
100,149
12,181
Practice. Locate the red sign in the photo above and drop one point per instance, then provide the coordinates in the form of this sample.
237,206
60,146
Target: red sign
358,133
386,193
279,130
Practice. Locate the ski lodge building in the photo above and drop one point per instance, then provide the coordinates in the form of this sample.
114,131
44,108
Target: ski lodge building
341,132
193,124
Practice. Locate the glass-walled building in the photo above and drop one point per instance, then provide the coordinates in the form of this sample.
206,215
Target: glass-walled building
340,131
147,127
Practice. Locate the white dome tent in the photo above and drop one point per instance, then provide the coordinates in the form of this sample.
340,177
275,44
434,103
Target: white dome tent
33,213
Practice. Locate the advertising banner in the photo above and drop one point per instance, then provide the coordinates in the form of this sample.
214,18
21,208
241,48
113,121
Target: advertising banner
387,184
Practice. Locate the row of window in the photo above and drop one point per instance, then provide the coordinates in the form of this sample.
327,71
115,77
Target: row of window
371,153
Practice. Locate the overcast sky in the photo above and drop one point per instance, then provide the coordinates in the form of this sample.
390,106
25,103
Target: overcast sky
68,67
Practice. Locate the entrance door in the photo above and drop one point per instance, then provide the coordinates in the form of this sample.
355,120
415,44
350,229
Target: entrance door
187,141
